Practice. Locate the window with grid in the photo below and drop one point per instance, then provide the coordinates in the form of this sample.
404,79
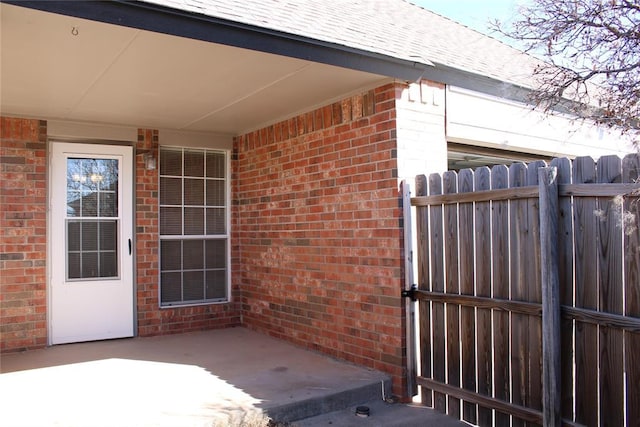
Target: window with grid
193,226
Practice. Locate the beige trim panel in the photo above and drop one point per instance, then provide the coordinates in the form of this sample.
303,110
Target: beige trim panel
76,130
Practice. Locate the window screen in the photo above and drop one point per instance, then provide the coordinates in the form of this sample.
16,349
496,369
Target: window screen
193,226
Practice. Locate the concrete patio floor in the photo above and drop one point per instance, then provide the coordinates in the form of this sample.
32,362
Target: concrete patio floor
229,377
220,377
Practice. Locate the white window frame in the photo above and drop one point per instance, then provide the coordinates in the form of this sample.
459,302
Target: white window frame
226,236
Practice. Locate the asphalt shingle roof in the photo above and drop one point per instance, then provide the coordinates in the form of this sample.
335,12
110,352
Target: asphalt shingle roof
394,28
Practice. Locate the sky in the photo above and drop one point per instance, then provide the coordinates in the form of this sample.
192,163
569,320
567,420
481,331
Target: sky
473,13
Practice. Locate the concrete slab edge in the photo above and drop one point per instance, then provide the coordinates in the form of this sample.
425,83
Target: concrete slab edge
330,403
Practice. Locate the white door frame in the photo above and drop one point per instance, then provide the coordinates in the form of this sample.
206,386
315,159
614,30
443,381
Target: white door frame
89,309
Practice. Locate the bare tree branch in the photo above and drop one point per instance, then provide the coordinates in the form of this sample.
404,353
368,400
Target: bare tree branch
591,50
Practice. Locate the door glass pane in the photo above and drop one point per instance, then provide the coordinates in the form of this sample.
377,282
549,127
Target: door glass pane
92,224
92,248
108,204
92,187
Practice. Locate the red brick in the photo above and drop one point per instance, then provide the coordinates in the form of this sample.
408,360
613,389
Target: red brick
23,227
304,267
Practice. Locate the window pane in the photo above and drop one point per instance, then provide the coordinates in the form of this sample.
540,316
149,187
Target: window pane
170,287
170,191
193,221
108,236
170,255
194,192
216,222
215,193
170,162
216,283
170,221
108,264
73,203
216,253
74,270
215,165
92,249
89,205
73,236
193,285
194,163
193,255
92,187
108,202
89,238
89,265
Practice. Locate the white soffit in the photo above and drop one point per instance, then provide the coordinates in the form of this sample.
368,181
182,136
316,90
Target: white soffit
117,75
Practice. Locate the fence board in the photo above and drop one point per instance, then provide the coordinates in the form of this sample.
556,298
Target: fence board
500,260
609,170
519,323
533,271
467,280
424,310
565,277
631,173
551,343
437,285
450,185
586,296
482,181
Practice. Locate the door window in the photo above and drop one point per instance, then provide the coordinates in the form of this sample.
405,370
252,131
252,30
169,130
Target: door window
92,218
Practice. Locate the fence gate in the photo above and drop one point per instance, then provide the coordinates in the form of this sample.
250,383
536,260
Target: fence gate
528,293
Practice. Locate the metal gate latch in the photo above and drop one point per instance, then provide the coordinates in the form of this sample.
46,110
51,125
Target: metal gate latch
410,293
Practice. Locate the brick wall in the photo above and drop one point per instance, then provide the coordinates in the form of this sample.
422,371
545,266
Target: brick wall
317,231
316,235
151,319
23,197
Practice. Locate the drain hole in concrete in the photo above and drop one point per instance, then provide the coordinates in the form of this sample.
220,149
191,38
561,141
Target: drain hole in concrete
362,411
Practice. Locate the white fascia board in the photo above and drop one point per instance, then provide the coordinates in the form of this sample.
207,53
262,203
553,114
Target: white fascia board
489,121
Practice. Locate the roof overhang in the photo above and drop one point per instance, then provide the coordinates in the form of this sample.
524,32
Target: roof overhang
145,66
142,64
176,22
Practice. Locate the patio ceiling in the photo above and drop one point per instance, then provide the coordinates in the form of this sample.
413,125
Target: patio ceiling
67,68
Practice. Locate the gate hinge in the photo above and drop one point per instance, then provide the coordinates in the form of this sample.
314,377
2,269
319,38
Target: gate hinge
410,293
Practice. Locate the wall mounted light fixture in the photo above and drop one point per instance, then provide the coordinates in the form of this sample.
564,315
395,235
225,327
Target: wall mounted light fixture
149,161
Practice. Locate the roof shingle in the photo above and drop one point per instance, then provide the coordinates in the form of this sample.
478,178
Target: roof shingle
394,28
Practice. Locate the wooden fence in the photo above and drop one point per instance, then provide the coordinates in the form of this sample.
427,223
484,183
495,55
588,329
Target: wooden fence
480,296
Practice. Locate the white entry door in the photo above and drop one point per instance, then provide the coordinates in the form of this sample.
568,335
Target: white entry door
91,211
